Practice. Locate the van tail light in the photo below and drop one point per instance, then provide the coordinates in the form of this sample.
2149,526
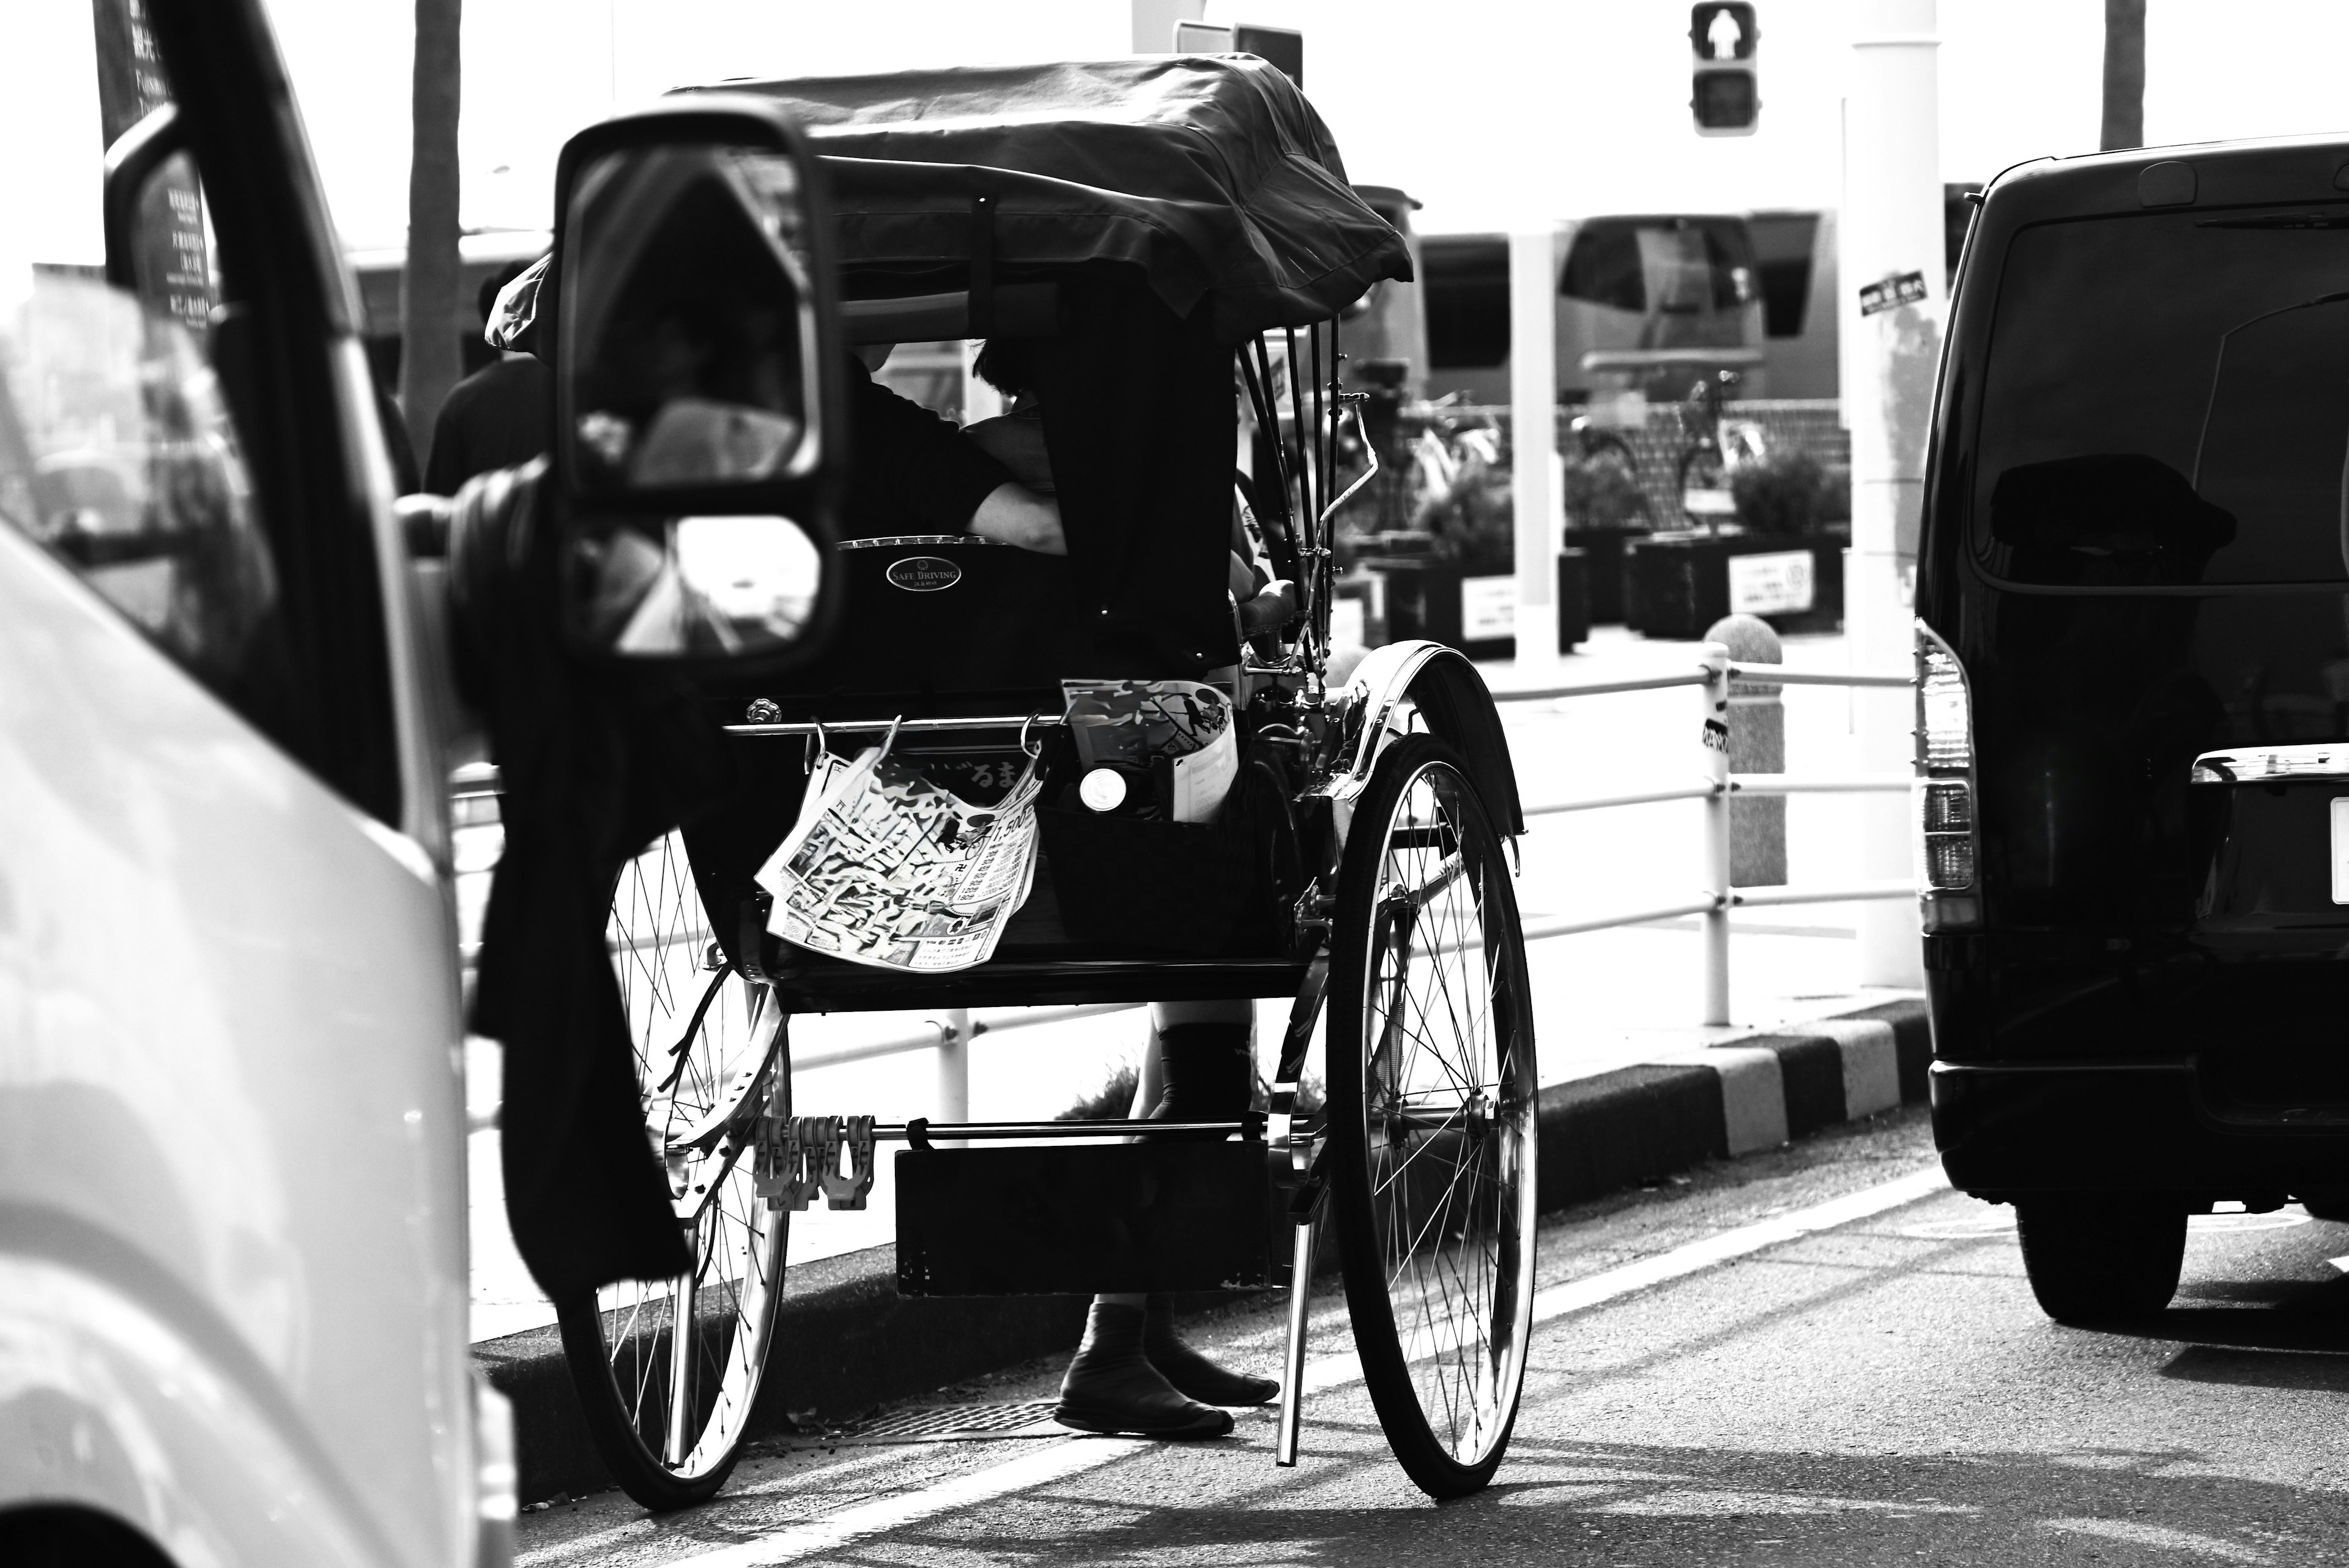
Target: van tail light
495,1476
1948,835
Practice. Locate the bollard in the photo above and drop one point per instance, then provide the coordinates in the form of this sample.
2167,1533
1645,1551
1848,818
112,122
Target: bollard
1757,744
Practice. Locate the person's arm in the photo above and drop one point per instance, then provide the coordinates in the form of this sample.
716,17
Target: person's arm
1015,514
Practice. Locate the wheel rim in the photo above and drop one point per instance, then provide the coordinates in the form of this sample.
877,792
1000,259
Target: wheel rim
1447,1110
696,1031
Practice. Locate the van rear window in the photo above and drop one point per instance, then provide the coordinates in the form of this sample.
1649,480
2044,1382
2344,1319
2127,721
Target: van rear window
2166,402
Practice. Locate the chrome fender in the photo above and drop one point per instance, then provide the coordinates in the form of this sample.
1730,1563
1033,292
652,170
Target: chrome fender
1453,703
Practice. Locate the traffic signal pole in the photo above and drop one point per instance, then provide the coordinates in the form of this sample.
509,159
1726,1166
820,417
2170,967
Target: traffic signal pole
1894,303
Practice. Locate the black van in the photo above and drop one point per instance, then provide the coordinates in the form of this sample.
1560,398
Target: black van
2133,645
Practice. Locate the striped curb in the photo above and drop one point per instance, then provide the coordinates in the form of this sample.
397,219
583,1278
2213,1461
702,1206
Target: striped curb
851,1343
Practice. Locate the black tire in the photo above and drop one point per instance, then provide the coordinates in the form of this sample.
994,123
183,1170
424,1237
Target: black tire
1430,1072
712,1056
2331,1206
2101,1257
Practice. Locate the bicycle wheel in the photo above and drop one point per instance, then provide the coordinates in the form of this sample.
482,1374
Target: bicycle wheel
668,1371
1431,1106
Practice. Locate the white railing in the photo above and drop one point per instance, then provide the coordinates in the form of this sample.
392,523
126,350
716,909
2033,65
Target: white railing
1715,786
951,1032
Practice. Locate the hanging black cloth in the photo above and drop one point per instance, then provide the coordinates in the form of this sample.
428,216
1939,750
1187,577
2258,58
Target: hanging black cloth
595,763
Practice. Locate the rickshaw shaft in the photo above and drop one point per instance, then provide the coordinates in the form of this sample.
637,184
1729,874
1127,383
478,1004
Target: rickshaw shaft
921,1130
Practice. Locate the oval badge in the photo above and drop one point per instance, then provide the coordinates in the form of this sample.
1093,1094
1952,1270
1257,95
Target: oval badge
924,574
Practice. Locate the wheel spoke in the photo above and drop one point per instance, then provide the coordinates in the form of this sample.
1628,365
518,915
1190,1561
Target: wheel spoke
686,1356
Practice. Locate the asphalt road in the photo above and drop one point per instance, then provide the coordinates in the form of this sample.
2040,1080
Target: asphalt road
1877,1391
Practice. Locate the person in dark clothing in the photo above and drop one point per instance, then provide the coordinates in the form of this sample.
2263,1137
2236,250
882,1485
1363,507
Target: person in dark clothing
1132,1373
915,472
501,416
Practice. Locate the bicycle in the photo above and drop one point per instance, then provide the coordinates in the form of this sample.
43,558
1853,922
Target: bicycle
1713,449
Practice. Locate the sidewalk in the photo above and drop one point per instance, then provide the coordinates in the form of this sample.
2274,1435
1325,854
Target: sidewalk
1603,1000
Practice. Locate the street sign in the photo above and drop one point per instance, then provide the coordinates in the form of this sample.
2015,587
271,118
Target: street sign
1725,86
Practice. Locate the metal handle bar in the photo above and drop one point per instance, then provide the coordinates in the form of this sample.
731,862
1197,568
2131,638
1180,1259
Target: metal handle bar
920,1129
907,726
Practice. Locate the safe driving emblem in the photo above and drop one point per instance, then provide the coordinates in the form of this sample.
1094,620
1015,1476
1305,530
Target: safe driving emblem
924,574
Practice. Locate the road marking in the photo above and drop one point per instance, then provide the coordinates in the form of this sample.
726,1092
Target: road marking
1337,1370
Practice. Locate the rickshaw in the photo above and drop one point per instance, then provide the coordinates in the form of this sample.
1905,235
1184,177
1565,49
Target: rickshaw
1180,232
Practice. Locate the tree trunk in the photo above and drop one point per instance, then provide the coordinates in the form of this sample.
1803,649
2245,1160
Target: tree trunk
431,281
2124,75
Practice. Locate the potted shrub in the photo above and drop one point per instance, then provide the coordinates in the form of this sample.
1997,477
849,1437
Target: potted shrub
1604,510
1463,592
1782,559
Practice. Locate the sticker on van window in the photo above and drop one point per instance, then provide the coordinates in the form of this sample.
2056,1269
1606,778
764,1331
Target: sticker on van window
924,574
1890,293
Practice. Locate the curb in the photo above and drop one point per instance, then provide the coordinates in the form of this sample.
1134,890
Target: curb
857,1343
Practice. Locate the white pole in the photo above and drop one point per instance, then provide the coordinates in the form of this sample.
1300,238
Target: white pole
1715,657
1533,427
954,1065
1890,233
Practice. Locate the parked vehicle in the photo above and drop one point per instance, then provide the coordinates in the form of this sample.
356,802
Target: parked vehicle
1644,305
2133,710
233,1206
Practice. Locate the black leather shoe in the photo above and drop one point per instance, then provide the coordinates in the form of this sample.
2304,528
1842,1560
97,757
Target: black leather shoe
1111,1386
1192,1374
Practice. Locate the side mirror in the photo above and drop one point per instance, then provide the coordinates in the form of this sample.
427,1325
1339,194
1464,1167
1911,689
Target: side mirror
699,400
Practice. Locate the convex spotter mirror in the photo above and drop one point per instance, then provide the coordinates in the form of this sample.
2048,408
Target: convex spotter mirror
698,403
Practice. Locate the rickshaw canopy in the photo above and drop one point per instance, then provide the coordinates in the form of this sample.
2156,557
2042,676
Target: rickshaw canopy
1210,174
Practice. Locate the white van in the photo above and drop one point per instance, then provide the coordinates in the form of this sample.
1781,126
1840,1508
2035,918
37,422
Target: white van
233,1209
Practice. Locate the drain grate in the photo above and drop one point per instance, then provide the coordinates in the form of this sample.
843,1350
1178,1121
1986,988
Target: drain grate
955,1423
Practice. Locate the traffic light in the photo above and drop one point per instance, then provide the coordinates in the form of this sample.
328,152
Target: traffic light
1727,97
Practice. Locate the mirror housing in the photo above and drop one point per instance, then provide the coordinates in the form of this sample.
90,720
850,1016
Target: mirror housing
689,312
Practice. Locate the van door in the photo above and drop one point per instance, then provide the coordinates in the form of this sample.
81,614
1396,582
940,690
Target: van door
232,1200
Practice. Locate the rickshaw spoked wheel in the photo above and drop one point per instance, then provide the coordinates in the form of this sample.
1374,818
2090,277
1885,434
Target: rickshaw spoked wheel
1432,1086
669,1411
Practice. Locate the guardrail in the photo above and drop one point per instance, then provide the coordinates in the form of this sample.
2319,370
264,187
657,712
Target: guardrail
950,1034
1715,786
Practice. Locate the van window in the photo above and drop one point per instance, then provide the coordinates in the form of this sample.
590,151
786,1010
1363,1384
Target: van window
1467,301
118,453
1782,242
2166,402
1676,266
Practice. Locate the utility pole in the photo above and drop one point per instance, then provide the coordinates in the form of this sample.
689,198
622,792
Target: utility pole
1894,298
433,280
2124,75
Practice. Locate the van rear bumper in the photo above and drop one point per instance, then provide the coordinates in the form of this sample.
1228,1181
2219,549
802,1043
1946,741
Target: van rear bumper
2122,1126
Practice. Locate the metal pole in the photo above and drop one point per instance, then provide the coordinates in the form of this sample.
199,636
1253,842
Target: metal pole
954,1065
1533,438
1292,1380
1716,832
1892,232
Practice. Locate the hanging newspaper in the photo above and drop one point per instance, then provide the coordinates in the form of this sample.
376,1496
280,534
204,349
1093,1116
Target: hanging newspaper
1179,727
885,868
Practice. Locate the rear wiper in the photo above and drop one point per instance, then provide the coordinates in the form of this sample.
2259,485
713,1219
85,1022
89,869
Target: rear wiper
2281,221
2211,401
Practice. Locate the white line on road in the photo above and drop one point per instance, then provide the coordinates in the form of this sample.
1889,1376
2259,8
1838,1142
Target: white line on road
1077,1454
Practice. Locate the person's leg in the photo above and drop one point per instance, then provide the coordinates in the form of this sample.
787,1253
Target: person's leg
1207,1051
1133,1374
